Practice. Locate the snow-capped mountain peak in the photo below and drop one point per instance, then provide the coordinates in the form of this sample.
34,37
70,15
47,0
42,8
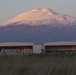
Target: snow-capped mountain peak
37,17
47,10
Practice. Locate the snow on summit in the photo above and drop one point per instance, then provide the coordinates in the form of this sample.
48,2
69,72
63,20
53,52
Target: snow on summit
38,17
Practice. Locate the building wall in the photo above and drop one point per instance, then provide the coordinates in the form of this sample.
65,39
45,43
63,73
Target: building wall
37,49
16,49
49,49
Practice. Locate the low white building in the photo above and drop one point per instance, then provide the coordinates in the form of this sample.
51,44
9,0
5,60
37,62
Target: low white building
16,47
62,47
19,47
37,49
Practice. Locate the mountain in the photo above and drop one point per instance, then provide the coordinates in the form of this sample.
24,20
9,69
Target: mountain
38,17
39,26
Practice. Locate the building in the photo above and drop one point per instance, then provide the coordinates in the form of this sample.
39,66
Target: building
16,48
37,49
60,47
31,48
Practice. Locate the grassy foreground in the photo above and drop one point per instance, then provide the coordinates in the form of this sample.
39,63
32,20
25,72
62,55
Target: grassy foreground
38,64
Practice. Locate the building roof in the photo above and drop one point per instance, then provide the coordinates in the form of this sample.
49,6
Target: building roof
16,44
59,43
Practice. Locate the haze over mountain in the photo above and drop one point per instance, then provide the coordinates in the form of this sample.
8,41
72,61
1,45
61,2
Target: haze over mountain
39,26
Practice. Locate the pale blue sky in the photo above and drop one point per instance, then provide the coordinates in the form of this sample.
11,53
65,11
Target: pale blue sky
11,8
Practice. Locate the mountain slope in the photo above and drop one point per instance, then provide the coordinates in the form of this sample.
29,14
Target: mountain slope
37,34
38,17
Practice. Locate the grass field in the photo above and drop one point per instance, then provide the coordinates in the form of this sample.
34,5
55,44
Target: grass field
38,64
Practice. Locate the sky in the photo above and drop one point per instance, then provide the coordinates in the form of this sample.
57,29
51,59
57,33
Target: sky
11,8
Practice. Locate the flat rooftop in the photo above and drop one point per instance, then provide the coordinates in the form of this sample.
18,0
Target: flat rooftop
16,44
59,43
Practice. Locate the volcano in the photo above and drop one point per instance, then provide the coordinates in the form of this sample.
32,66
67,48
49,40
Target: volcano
39,26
